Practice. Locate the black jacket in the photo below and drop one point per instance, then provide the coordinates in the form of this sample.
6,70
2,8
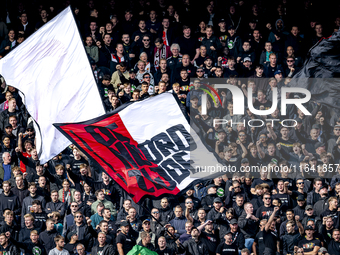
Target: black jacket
108,250
47,239
55,207
4,117
10,202
247,226
191,247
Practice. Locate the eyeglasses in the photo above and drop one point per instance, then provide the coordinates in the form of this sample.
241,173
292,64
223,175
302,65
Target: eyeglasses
200,71
74,205
147,77
155,212
337,129
189,202
290,60
300,183
146,40
79,216
267,198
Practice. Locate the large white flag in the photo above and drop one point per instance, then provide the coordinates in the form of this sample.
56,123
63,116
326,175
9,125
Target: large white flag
52,70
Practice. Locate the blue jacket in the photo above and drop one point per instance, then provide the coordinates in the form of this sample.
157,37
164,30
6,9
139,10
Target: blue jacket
179,224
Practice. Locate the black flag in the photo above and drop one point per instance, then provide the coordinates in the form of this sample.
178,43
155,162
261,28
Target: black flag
321,72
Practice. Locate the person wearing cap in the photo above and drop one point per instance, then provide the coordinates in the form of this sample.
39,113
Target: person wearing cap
271,67
217,212
227,247
321,205
125,239
209,68
309,215
208,201
245,67
309,243
212,43
299,209
146,227
193,245
237,235
334,244
200,71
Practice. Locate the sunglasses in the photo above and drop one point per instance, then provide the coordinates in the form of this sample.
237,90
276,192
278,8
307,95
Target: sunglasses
146,40
74,205
267,198
155,212
200,71
147,77
79,216
300,183
188,202
337,129
290,60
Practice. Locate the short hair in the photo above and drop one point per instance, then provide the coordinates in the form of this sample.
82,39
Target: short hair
102,222
97,192
36,202
331,199
178,207
245,250
57,167
78,212
106,77
175,84
32,184
56,214
175,45
100,204
144,234
58,238
35,232
7,182
49,220
158,40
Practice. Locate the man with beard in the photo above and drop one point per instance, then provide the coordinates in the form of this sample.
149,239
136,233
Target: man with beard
8,200
209,238
162,247
334,244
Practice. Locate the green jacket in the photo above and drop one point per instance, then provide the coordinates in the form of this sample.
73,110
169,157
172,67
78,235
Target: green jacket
108,204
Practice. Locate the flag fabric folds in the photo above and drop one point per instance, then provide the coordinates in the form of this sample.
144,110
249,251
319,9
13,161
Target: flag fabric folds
140,250
320,73
144,146
52,71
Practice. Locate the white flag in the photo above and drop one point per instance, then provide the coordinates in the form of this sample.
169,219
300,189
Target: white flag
52,71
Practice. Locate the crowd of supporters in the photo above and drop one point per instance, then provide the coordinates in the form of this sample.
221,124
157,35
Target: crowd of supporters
139,49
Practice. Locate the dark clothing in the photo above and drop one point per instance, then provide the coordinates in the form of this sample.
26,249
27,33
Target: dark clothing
47,239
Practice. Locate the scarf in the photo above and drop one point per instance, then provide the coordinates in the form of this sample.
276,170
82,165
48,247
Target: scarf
159,54
68,196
